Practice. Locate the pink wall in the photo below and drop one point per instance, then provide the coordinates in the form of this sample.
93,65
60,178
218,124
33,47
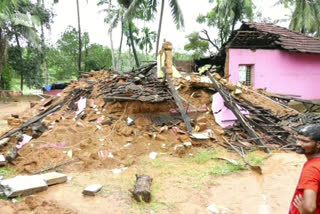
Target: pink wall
279,71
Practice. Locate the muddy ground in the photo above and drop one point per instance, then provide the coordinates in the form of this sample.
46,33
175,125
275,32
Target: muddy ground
180,185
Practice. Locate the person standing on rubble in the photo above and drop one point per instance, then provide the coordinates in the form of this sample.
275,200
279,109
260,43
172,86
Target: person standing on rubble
306,198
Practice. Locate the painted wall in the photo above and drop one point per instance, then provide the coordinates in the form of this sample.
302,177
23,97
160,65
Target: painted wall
279,71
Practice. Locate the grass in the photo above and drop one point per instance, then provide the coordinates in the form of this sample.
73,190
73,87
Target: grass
222,168
204,155
255,158
7,172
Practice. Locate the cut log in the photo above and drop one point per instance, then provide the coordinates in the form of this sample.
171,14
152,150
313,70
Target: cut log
142,190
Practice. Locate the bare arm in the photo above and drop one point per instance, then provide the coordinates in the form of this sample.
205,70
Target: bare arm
307,203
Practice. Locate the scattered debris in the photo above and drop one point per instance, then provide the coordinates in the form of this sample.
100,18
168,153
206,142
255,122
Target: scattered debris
3,161
4,142
118,171
153,155
218,209
92,189
12,154
26,139
207,134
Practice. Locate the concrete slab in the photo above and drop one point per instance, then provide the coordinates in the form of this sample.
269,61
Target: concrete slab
52,178
23,185
3,161
92,189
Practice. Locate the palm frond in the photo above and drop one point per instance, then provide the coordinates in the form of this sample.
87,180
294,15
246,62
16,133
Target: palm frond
176,13
131,10
21,19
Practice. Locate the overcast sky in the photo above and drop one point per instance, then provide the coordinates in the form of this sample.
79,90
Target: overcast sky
92,20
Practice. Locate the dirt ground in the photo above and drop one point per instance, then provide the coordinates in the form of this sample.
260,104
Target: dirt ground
179,186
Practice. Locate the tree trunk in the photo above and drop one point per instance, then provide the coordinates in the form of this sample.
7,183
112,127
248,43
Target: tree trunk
120,47
80,42
1,53
114,63
1,68
44,53
159,28
132,45
20,56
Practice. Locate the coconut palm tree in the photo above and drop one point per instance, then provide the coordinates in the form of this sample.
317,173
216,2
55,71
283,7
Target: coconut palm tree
14,20
114,17
128,5
175,12
305,17
80,42
145,43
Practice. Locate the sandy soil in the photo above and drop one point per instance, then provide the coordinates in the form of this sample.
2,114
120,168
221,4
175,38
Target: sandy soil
183,187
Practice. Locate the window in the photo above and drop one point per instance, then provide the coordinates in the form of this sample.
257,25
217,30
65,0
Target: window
245,74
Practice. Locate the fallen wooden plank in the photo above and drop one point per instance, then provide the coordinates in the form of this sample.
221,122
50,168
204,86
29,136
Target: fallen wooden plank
241,118
177,99
29,122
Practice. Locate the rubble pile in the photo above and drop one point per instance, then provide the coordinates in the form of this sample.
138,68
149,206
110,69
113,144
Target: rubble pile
104,120
109,120
267,123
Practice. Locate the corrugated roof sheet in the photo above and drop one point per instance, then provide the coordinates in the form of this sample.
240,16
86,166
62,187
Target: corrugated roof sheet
283,38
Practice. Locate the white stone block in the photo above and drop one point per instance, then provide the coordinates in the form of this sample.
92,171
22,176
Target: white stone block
92,189
52,178
23,185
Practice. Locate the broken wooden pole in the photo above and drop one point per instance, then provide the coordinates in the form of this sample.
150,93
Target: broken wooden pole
177,99
241,118
142,190
31,121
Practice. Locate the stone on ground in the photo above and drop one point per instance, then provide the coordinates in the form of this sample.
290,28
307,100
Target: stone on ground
23,185
54,178
92,189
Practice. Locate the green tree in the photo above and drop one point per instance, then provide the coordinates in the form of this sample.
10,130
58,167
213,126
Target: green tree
28,65
45,19
196,45
175,12
145,43
18,22
63,60
305,17
11,17
224,16
127,4
98,58
114,16
68,49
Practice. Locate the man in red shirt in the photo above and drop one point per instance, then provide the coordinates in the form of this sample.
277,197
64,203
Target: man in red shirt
306,199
